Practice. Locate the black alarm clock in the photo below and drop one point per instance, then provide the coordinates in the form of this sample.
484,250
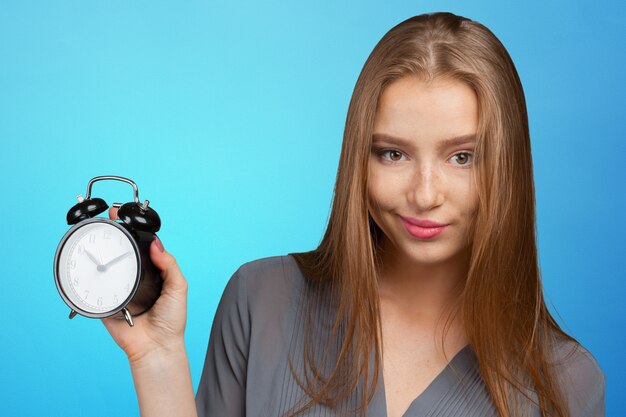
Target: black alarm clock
102,267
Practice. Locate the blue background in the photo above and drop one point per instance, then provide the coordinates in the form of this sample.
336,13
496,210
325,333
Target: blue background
229,117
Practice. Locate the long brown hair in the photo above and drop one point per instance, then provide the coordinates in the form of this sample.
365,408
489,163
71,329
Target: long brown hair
505,317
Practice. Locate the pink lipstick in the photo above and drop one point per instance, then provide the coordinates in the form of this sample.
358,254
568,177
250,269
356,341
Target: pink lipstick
422,229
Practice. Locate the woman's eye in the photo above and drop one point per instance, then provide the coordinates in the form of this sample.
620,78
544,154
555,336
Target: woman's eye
463,158
394,154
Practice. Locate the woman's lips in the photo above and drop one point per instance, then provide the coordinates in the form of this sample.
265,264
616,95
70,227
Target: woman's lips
422,229
422,223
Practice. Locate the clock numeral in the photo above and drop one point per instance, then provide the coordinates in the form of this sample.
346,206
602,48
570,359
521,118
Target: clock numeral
92,238
127,287
76,281
73,264
80,249
86,294
99,302
115,300
121,240
106,234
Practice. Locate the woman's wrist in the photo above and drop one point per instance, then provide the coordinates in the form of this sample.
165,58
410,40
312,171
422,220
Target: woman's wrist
158,355
163,382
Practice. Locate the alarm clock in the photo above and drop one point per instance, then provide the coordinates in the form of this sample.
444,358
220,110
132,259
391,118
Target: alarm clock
102,267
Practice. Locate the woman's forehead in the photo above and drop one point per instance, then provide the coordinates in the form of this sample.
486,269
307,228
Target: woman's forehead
416,111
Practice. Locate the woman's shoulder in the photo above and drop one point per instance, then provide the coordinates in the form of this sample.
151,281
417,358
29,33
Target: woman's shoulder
267,266
572,357
581,377
267,283
269,272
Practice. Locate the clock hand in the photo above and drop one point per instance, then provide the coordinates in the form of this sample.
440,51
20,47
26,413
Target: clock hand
112,261
93,258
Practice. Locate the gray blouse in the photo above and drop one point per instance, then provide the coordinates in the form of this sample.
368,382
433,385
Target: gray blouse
259,324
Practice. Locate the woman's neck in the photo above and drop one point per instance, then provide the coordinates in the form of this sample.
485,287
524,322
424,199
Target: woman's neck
422,292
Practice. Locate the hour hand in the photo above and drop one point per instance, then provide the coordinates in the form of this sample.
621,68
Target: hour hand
93,258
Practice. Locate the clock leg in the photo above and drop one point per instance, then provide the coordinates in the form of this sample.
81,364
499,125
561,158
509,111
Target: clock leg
128,317
72,314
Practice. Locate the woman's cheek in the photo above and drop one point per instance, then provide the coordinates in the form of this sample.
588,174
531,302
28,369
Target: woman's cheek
381,196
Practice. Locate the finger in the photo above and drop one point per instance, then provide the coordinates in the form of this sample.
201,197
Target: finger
113,213
114,326
172,276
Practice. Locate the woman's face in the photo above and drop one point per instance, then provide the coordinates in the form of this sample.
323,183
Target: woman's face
420,168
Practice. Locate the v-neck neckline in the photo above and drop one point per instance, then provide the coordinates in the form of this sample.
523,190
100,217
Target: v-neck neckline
444,380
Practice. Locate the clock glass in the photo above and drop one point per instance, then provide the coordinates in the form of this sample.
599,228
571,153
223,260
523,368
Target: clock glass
97,267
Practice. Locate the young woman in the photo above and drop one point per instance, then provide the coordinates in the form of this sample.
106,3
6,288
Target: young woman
424,296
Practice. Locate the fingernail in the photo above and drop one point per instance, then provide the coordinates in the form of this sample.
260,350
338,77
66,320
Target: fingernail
158,243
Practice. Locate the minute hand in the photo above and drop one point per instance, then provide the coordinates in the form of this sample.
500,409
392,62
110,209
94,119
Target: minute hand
114,260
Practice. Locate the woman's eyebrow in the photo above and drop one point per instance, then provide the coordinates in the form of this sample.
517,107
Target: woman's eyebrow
445,143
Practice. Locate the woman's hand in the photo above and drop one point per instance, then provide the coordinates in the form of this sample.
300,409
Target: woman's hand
155,345
161,329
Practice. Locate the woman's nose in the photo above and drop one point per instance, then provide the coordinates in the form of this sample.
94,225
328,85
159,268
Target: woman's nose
426,188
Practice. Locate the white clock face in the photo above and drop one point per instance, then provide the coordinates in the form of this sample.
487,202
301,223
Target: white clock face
97,267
